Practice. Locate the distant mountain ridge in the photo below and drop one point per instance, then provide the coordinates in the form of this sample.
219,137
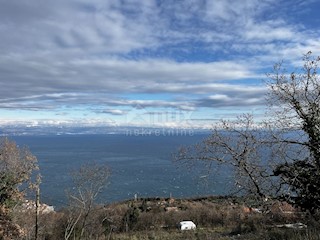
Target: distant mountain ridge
47,129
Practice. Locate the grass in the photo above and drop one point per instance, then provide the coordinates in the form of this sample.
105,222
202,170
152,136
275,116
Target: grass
203,234
170,235
208,233
220,218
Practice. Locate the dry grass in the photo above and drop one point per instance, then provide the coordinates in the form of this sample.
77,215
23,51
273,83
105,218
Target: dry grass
157,218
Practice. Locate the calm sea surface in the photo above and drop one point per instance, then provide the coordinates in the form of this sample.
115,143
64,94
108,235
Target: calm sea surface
140,165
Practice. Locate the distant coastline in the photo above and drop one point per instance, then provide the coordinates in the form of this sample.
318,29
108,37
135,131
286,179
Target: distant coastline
30,130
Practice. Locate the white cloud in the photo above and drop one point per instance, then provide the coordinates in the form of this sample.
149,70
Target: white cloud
114,111
190,53
42,76
268,32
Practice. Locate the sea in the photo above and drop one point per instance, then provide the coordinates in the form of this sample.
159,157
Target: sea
140,165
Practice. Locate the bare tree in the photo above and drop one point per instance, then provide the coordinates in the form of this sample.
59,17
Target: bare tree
88,181
282,156
239,146
296,99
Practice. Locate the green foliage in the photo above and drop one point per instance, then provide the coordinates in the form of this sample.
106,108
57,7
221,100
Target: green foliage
8,190
304,178
131,217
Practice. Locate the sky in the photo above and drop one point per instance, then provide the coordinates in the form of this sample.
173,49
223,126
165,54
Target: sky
158,63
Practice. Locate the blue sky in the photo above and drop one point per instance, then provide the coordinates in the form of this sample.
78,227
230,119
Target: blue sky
183,63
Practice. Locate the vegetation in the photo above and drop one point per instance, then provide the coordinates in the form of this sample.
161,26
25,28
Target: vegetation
16,168
238,145
17,165
279,157
157,218
88,181
299,96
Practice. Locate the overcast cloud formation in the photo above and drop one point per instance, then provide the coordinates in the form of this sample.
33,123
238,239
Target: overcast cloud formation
107,60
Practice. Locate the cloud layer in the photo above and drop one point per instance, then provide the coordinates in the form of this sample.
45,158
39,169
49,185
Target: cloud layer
108,57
